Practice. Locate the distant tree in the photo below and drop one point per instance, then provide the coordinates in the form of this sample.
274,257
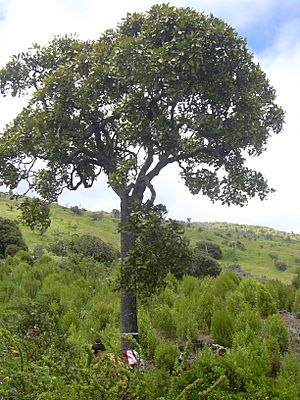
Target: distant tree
97,215
203,265
116,213
169,86
89,245
76,210
11,239
211,248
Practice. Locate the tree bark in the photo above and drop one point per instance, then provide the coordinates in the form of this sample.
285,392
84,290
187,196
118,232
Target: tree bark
128,303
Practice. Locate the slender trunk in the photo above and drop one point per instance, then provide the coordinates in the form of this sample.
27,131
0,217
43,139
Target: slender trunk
128,303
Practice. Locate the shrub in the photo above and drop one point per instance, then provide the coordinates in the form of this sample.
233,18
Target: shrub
283,294
88,245
203,265
226,282
76,210
166,355
10,235
275,328
266,304
280,265
164,321
210,248
11,250
58,248
147,335
97,215
222,327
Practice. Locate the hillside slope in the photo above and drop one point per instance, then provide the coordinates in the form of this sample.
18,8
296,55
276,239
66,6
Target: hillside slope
254,248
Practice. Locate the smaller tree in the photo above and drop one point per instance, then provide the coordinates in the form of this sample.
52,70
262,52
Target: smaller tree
159,247
211,248
11,239
89,245
203,264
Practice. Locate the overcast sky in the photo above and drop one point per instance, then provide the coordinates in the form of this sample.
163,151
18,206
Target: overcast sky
272,29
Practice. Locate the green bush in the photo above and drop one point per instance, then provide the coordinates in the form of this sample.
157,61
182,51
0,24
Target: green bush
248,289
266,304
275,328
11,250
222,327
76,210
58,248
166,355
10,235
280,265
164,321
227,281
147,335
210,248
88,245
283,294
203,265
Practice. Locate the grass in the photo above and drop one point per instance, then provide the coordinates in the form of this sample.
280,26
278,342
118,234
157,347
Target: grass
246,245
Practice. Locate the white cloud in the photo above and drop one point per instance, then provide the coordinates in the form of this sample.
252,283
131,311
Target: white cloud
239,13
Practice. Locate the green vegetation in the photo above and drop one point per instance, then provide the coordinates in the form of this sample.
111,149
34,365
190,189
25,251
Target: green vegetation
167,86
53,308
92,246
257,242
11,239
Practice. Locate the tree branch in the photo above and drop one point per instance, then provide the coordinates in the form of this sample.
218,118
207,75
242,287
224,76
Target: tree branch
181,157
98,127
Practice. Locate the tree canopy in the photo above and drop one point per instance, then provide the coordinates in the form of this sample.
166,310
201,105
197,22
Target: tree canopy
168,86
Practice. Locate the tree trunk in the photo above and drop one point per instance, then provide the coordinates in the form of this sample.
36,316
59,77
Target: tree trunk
128,303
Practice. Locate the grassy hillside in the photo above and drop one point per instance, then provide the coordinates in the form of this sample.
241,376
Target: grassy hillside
253,248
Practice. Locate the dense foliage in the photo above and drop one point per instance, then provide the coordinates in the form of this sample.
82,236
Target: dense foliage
92,246
35,214
202,264
11,239
52,309
159,247
211,248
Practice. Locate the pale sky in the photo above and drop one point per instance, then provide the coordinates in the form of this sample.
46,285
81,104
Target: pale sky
272,29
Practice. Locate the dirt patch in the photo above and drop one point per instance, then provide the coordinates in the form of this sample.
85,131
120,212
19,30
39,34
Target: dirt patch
293,324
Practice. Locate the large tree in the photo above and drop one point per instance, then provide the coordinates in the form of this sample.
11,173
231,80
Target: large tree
167,86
